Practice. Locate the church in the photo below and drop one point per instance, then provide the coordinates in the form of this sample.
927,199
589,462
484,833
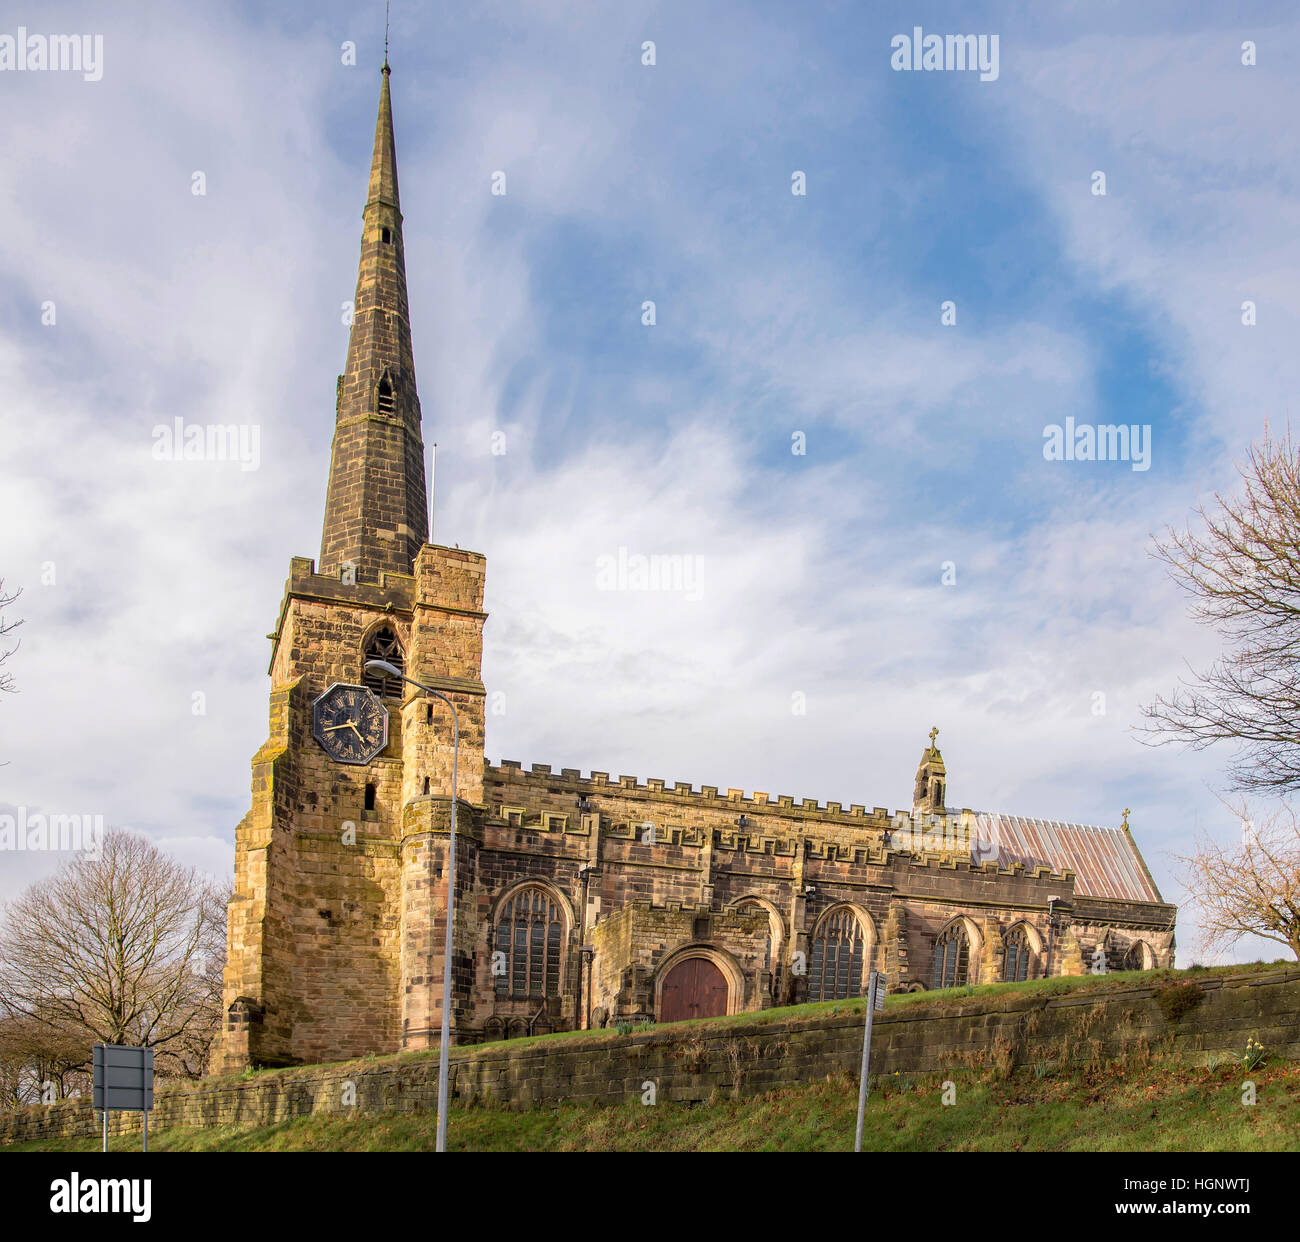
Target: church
580,901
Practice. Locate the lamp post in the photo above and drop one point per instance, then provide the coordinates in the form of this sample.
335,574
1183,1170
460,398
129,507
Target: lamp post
382,666
1053,927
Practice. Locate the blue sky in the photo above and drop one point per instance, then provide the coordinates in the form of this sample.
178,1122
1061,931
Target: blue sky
776,314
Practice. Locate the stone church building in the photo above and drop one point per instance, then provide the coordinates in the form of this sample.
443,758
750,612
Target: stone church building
580,900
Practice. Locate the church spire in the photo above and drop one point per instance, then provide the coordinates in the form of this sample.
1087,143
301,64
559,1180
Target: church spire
376,515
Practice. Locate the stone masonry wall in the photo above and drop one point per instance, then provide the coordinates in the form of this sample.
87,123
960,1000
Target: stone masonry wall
691,1063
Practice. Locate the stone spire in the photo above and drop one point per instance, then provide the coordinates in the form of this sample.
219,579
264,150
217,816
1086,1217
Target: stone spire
931,780
376,514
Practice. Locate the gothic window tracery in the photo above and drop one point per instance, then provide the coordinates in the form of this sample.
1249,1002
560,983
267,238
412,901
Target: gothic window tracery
1016,959
836,957
530,935
951,958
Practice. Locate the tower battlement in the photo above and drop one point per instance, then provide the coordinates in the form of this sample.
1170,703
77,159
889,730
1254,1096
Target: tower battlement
712,796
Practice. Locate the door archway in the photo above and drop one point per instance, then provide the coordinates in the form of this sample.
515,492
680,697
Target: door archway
694,988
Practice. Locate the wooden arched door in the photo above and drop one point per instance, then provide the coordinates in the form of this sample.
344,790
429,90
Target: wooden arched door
694,988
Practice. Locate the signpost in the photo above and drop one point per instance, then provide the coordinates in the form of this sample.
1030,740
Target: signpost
875,1000
123,1082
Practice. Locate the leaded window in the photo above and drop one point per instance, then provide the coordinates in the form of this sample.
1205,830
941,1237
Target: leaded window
951,958
530,936
835,962
1016,959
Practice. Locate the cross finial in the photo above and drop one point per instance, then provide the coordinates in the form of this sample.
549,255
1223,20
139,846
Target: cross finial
387,11
933,734
1124,825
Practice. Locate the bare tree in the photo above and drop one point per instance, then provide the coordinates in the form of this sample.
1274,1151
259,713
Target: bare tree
7,628
1252,888
1241,568
123,948
39,1061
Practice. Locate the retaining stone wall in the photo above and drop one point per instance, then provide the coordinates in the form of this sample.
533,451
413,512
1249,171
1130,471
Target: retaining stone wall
693,1062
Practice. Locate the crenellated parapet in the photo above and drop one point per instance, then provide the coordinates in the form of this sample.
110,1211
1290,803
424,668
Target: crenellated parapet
542,776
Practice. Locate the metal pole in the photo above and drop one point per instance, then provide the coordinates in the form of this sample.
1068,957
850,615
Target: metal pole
105,1128
866,1058
445,1042
145,1115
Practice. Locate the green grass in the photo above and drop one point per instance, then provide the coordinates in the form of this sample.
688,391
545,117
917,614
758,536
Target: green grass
930,1000
1165,1106
942,999
1159,1108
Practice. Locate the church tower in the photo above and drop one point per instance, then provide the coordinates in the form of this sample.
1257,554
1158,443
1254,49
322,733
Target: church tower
335,930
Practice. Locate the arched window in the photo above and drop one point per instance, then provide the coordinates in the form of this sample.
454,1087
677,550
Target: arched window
835,962
384,399
1016,959
951,958
752,907
1139,957
383,645
530,933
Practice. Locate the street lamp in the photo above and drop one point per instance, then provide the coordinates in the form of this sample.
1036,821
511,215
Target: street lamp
382,666
1053,927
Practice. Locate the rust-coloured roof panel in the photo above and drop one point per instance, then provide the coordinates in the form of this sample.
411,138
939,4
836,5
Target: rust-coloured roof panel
1105,861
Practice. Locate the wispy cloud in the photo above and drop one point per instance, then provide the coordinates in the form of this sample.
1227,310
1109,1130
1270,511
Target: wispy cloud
821,573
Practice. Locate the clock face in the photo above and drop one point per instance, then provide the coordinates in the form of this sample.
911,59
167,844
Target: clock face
350,723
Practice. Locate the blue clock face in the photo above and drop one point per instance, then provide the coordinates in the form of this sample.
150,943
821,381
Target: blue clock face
350,723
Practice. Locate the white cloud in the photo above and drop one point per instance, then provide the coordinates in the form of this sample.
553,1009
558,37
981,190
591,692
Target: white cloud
821,575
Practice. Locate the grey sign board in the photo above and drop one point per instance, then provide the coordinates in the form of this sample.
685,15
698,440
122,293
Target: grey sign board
123,1079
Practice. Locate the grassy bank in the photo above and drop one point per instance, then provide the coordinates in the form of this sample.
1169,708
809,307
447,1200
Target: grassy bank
932,1001
1158,1108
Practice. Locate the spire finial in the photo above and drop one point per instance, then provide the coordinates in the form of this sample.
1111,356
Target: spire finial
1124,825
388,7
934,733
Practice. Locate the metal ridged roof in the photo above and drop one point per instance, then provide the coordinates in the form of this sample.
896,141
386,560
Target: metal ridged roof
1105,861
